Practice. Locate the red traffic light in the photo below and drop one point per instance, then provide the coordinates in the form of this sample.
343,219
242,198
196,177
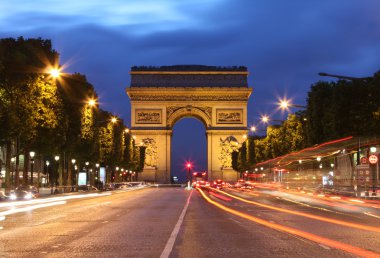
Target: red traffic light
188,165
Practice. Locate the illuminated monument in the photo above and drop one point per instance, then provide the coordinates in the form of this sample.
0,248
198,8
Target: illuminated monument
161,96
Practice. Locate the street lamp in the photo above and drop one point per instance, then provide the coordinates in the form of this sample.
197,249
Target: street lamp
87,172
285,104
56,158
350,78
47,171
13,160
265,119
54,72
32,153
91,102
73,161
97,174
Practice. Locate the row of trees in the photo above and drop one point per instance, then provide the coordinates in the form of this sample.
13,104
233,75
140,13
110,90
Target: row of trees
334,110
53,116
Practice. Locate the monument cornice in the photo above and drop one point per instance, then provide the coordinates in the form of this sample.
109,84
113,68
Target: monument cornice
188,93
190,72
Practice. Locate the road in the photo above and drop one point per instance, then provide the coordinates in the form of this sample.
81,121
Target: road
173,222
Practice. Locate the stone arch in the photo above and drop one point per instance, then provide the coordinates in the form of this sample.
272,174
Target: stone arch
189,111
216,96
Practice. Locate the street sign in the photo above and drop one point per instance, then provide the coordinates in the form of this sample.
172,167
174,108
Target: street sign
363,175
373,159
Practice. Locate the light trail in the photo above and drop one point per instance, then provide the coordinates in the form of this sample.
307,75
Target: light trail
30,208
372,215
52,199
334,221
248,192
318,239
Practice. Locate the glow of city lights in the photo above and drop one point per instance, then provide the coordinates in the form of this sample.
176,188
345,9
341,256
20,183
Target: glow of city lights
113,119
284,104
126,130
54,72
303,214
91,102
265,118
325,241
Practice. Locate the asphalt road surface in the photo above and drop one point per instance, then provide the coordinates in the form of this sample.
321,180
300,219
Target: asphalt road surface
173,222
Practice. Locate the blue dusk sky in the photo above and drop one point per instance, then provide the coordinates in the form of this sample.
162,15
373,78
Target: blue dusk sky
284,44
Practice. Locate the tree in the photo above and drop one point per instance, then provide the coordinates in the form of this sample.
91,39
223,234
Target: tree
22,64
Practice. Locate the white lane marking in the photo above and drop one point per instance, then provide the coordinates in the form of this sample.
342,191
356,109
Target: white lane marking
236,221
43,252
325,247
169,245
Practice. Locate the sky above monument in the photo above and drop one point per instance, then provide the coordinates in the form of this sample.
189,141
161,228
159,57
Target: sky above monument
284,44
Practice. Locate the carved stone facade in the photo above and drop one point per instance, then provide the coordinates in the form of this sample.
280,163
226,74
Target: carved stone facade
148,116
227,146
222,109
151,156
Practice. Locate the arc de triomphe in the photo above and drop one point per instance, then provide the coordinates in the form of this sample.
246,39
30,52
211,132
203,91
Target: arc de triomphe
161,96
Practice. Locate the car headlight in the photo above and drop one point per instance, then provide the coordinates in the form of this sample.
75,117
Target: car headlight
13,196
28,196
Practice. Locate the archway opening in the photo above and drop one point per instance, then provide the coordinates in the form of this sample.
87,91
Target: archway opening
189,144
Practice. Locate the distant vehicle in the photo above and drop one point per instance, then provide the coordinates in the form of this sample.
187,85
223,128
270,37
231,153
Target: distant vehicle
218,184
198,177
24,193
87,188
201,184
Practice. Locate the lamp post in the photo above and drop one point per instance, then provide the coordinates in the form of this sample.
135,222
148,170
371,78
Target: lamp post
350,78
87,173
253,129
47,163
13,159
73,161
31,154
285,104
97,175
56,158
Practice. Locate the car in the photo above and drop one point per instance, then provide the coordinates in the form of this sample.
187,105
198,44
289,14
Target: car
218,184
24,193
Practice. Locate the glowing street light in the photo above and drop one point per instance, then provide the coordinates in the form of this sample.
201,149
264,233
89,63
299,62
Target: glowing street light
285,104
32,153
126,130
253,129
265,119
113,120
91,102
54,72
